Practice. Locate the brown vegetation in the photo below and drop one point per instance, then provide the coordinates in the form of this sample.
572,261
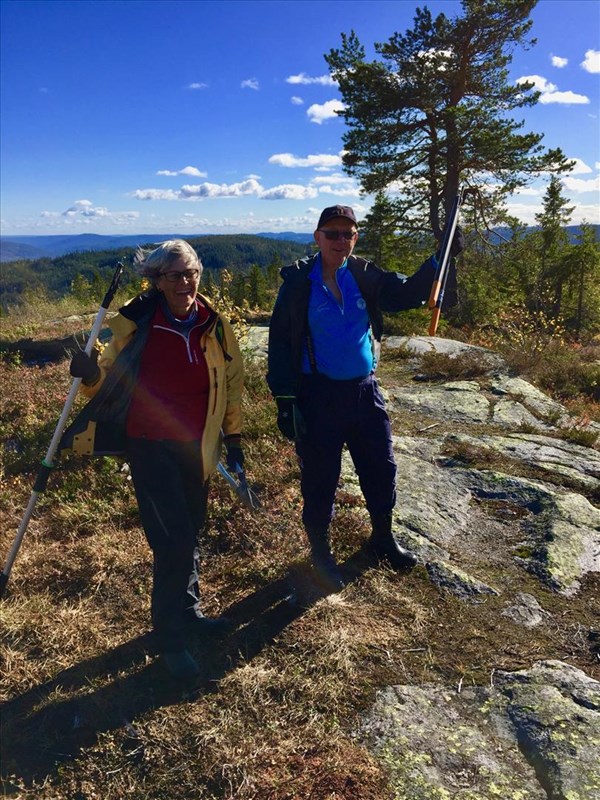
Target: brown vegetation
88,712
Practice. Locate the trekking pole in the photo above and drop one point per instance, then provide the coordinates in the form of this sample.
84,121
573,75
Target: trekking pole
240,487
438,287
47,463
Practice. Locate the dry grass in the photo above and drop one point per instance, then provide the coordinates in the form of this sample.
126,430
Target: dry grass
88,712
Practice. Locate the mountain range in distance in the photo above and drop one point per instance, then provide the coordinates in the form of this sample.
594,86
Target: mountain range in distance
15,248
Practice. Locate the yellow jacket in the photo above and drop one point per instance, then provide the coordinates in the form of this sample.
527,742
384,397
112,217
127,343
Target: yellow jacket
99,429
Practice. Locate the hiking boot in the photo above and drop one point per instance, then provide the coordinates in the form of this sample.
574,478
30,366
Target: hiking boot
384,546
207,626
326,570
180,665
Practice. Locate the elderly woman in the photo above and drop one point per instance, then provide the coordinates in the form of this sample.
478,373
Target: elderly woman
166,392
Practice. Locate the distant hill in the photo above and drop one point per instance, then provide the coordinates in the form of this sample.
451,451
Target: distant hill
90,255
13,248
573,231
288,236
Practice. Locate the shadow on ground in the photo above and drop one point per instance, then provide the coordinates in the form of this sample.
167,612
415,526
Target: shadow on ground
44,727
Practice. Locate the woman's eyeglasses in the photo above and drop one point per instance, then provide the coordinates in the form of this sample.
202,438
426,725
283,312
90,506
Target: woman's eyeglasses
333,236
174,276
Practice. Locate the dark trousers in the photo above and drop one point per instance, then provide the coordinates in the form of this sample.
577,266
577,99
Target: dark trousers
172,497
337,413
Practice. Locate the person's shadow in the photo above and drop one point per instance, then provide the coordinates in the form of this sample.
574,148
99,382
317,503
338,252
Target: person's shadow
41,730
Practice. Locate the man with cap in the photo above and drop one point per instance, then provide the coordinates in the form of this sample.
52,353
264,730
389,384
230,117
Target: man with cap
324,341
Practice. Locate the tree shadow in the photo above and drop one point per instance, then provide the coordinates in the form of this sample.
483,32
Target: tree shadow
42,728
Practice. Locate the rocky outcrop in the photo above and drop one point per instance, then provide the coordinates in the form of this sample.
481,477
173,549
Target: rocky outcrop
487,480
441,498
530,734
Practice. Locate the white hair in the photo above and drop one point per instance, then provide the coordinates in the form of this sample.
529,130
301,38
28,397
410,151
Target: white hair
151,263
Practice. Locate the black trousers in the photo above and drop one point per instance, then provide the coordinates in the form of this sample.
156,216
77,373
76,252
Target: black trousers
172,498
338,413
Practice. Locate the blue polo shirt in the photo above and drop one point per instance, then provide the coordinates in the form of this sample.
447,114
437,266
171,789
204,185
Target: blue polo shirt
340,332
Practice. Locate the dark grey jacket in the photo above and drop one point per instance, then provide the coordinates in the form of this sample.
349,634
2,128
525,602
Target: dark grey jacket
288,330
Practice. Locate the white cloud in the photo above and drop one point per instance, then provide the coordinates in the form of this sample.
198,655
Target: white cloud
196,86
317,161
586,213
305,80
155,194
200,190
580,168
597,165
250,83
565,98
85,211
529,191
340,191
337,184
591,62
582,185
334,178
297,101
559,62
319,113
194,171
289,191
85,208
549,93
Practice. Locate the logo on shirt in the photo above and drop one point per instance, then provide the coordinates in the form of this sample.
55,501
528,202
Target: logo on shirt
360,303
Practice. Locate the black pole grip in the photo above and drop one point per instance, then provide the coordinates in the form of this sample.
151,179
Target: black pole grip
114,285
42,478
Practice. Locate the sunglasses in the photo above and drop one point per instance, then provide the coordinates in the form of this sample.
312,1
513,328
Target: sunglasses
174,276
333,236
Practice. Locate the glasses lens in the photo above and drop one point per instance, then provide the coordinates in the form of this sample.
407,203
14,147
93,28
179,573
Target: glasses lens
188,274
335,235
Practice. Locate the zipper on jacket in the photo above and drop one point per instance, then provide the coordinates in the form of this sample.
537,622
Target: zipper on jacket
329,293
185,338
216,387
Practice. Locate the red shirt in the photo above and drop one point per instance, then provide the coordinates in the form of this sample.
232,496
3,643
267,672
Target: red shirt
170,397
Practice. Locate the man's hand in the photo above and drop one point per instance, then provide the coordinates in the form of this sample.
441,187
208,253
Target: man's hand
285,417
85,367
458,242
457,246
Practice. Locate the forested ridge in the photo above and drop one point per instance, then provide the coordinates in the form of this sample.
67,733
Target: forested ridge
59,276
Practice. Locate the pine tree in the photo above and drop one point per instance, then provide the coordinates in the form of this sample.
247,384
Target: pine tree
434,112
378,239
256,289
582,289
554,245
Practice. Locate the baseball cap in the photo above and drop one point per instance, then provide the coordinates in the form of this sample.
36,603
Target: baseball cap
331,212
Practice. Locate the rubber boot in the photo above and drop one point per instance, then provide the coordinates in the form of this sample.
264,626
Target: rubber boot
180,665
384,546
327,571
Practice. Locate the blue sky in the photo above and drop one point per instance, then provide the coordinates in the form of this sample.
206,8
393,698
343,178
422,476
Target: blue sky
217,116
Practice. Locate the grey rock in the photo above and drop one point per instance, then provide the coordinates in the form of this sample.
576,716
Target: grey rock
455,580
256,342
419,345
530,396
533,734
460,401
526,611
556,456
510,414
